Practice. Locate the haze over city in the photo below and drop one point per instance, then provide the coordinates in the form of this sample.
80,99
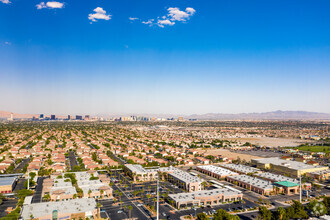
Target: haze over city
164,57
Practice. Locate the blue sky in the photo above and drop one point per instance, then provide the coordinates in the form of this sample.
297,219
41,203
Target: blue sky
175,56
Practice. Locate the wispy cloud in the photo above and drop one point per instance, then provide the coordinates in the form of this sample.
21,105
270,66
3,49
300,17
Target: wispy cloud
5,1
174,15
50,5
149,22
99,14
133,19
7,43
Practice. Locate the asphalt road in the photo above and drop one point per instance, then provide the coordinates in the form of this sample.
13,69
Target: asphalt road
72,159
38,191
20,167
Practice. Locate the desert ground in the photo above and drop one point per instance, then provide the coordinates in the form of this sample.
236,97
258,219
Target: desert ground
270,142
228,154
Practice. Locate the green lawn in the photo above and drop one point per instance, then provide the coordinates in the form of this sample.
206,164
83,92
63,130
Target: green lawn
324,149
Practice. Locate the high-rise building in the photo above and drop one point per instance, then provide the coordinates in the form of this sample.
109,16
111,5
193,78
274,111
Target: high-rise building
52,117
87,117
78,117
69,117
11,117
41,116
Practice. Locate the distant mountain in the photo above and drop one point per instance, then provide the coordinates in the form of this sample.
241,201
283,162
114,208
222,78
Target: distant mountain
276,115
4,114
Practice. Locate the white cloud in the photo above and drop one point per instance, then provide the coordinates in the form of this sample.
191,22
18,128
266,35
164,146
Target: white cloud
150,21
174,14
50,5
5,1
132,19
100,15
7,43
162,23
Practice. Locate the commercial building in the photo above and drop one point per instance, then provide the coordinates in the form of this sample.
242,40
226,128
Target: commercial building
72,209
204,198
139,173
60,188
78,117
52,117
293,168
181,178
216,172
7,184
288,184
185,180
320,175
257,185
241,168
69,117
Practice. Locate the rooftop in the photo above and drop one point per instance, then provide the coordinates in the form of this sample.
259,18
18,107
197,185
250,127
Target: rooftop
256,182
4,181
287,184
276,177
287,163
46,208
241,168
218,170
204,193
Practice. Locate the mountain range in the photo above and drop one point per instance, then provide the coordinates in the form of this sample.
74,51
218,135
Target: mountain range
275,115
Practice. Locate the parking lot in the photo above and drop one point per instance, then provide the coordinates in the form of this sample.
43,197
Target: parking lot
5,204
149,189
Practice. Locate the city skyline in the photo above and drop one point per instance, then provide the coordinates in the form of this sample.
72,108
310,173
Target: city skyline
164,57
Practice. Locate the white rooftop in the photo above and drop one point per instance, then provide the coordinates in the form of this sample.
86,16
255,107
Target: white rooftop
204,193
218,170
241,168
262,184
46,208
287,163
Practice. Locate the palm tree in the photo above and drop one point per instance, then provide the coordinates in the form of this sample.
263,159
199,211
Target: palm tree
130,210
98,205
120,195
280,213
148,196
102,193
154,200
204,184
89,193
46,197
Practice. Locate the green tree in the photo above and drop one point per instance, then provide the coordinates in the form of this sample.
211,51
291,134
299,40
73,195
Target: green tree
280,214
223,215
326,202
264,213
299,210
290,212
317,208
202,216
130,210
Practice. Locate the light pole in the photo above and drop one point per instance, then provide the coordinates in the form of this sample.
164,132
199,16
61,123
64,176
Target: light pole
158,197
300,189
28,185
